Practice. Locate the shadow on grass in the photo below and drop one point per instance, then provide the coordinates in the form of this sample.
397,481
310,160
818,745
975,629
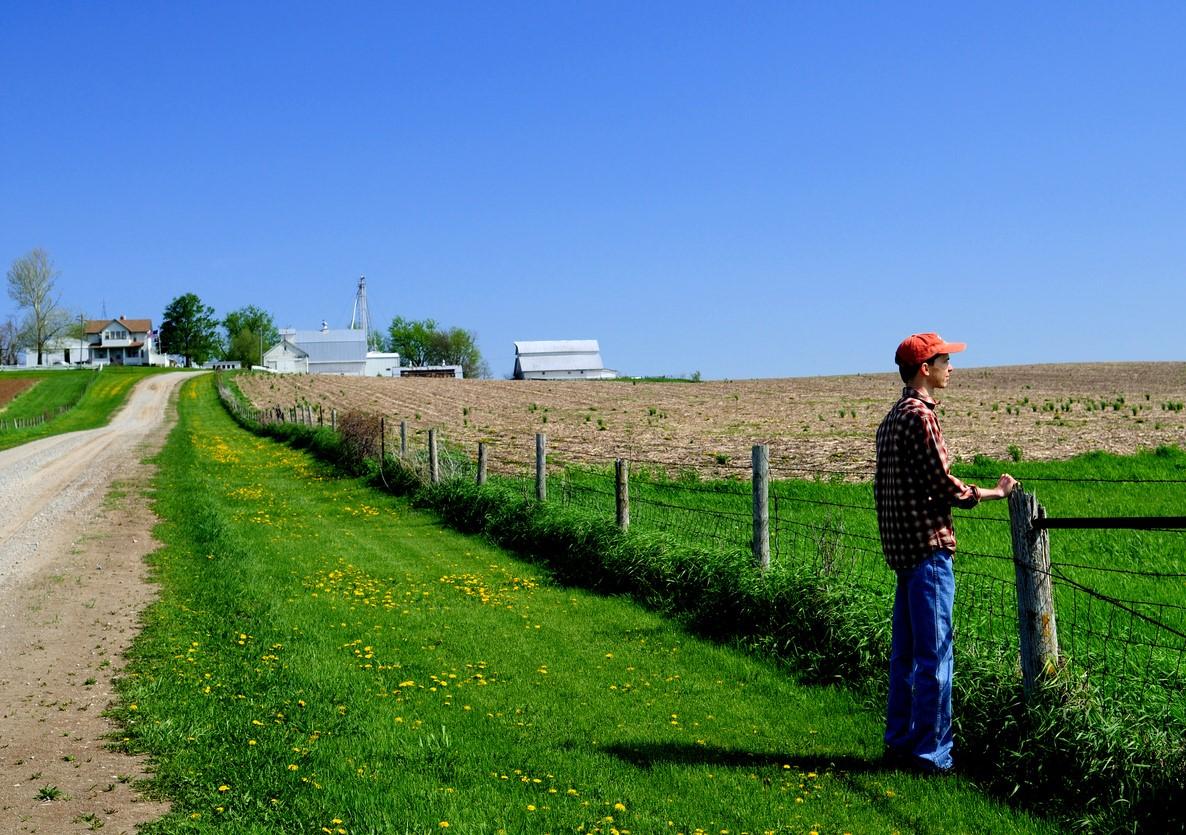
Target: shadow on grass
649,755
846,768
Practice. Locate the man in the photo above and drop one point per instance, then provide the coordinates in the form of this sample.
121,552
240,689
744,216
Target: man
915,491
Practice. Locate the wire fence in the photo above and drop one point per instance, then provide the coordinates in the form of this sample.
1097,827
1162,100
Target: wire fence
1119,605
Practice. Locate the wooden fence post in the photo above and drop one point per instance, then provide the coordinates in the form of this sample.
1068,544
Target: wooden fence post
403,439
434,473
382,439
333,419
541,466
481,463
761,541
622,492
1036,627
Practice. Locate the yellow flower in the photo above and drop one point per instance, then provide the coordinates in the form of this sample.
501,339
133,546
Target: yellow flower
224,788
443,824
619,807
530,807
293,766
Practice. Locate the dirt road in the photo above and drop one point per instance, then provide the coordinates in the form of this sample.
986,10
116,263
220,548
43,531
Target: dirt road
74,529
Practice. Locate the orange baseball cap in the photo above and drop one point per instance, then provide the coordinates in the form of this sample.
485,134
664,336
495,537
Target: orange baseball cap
920,347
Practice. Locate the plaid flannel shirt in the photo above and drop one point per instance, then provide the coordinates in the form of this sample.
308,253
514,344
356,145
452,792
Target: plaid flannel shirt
913,487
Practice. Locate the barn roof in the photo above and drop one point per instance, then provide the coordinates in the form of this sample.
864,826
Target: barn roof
559,362
577,356
558,346
332,345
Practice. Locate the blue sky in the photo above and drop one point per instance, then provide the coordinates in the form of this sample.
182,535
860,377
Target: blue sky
739,189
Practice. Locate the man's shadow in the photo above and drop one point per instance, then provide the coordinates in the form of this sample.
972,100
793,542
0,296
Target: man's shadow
646,755
842,767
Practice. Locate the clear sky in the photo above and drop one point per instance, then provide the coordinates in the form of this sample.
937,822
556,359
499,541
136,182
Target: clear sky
740,189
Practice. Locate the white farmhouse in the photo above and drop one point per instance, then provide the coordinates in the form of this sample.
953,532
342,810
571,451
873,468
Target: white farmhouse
561,359
123,341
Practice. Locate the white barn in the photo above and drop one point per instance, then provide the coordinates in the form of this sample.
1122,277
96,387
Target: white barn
329,351
561,359
286,358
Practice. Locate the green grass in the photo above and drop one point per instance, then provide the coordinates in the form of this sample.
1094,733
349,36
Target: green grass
96,397
830,528
324,656
52,391
1102,746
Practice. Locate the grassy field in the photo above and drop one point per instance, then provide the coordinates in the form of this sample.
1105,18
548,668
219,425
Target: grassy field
91,397
1114,712
324,658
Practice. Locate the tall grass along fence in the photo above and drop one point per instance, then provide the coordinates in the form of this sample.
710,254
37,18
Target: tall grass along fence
1071,631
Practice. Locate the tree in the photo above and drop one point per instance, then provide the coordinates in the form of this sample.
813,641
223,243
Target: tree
31,285
412,340
250,331
190,329
9,339
458,346
426,343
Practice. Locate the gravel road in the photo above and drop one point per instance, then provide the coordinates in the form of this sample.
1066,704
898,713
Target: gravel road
75,528
60,480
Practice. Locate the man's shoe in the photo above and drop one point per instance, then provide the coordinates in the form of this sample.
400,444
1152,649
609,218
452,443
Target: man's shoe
928,769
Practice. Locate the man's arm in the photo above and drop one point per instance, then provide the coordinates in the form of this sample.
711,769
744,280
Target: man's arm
1004,487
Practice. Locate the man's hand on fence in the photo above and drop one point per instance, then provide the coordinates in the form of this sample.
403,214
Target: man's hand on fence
1004,487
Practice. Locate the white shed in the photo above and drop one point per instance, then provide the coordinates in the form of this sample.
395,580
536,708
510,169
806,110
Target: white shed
561,359
287,358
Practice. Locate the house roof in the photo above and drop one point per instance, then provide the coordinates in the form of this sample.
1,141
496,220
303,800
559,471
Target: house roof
133,325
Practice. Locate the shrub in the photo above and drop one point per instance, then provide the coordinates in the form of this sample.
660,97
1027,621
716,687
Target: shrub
360,433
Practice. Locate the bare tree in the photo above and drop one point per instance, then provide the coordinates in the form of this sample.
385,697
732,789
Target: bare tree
31,285
9,337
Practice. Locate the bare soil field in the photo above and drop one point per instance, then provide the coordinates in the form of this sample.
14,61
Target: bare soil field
10,387
813,424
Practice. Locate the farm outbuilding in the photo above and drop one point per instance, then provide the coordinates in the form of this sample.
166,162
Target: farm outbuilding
286,358
329,351
561,359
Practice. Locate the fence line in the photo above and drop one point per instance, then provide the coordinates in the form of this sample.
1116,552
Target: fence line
1113,640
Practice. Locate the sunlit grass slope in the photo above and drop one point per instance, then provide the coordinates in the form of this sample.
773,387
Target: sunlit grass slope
93,397
324,658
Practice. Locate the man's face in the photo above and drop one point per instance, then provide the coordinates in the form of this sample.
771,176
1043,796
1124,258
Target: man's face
940,371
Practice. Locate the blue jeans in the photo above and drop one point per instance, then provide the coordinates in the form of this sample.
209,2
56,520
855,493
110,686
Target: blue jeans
918,713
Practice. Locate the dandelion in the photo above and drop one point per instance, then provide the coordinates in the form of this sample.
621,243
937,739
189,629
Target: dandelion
293,766
530,807
443,824
619,807
224,788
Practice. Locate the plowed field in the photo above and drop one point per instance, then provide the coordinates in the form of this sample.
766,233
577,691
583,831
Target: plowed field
813,424
10,387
